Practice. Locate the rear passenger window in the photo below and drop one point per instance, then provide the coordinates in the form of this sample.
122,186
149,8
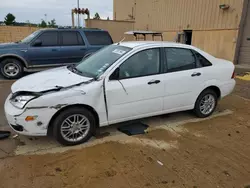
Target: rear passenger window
179,59
202,60
71,38
98,37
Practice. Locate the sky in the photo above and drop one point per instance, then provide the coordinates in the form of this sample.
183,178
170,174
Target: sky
60,10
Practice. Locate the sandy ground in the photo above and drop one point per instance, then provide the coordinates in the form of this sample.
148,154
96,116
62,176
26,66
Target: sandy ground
212,153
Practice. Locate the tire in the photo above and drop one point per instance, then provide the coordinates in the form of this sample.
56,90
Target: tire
198,105
62,123
13,63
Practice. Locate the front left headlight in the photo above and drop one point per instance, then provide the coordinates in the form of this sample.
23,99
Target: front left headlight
21,100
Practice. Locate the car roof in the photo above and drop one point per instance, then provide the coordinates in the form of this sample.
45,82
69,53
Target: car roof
139,44
153,44
74,29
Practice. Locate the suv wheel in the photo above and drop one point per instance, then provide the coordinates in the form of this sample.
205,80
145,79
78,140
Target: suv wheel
206,103
11,68
74,126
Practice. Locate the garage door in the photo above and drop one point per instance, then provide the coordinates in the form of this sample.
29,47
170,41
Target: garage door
244,55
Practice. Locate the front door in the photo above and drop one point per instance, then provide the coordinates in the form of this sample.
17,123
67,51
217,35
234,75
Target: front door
139,90
46,54
183,80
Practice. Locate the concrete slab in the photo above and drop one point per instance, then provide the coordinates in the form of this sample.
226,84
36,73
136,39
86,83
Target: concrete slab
242,68
43,145
245,77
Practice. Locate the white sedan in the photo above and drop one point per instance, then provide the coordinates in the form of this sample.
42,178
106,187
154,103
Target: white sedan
121,82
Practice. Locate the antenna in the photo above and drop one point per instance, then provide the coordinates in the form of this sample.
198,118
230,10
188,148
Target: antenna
121,41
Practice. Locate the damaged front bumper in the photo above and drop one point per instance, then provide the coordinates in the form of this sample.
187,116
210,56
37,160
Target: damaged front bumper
17,119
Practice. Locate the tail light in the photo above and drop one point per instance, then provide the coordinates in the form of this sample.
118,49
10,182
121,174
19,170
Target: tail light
233,75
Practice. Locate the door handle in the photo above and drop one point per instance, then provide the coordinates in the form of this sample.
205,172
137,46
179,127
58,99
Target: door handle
196,74
82,48
154,82
54,50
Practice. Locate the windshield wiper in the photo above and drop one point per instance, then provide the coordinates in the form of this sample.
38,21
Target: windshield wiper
74,69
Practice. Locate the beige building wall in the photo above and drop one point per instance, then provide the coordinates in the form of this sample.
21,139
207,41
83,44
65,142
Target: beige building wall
115,28
165,15
14,33
219,43
214,30
124,9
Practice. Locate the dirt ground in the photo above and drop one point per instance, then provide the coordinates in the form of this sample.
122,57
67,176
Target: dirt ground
212,153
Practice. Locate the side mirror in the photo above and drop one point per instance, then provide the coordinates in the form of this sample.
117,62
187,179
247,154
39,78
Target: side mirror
37,42
115,75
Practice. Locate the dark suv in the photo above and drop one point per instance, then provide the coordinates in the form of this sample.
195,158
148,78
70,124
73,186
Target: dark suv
47,48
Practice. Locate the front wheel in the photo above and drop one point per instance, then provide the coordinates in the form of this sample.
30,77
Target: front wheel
11,68
74,126
206,103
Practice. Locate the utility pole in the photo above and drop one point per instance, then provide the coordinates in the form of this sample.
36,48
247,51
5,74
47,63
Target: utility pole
45,15
78,17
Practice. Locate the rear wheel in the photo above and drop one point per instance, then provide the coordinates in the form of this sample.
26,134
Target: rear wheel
11,68
74,126
206,103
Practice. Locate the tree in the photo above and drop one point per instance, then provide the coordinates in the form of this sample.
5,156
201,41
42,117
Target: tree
43,24
97,16
108,18
9,19
52,23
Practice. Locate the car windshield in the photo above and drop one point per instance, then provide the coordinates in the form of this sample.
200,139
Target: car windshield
30,37
99,62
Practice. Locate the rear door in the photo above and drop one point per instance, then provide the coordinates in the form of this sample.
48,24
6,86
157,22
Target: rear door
73,47
183,80
48,53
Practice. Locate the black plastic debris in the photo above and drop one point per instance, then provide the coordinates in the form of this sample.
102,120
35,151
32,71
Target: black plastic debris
4,134
133,128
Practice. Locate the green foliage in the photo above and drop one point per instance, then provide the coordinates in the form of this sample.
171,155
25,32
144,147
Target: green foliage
97,16
9,19
43,24
52,23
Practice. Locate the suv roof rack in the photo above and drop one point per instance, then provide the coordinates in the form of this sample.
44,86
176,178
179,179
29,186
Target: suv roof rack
84,28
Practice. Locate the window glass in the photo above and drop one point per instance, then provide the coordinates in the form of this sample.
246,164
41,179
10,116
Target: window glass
71,38
80,40
179,59
99,62
31,37
98,37
143,63
49,38
202,60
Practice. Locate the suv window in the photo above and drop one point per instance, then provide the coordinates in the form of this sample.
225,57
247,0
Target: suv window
71,38
202,60
98,37
179,59
143,63
49,38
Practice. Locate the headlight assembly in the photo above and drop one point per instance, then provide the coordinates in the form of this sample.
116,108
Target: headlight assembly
21,100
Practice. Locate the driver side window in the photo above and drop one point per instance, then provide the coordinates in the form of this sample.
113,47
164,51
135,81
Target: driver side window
49,38
144,63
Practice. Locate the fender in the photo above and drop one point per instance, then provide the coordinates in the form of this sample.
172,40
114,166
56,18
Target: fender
17,56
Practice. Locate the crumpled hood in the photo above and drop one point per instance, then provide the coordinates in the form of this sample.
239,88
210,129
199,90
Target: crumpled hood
47,80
